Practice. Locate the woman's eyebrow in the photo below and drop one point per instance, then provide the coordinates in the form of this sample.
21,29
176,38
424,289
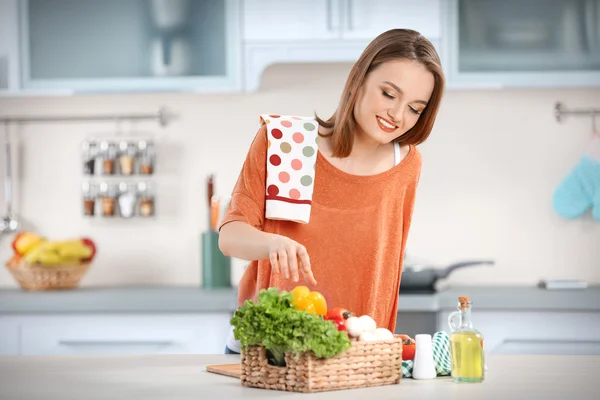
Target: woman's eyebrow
402,92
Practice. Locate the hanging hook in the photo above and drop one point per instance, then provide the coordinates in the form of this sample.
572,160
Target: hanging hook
594,131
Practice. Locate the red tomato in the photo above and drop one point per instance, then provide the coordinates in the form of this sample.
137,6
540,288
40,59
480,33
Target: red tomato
340,323
339,312
408,350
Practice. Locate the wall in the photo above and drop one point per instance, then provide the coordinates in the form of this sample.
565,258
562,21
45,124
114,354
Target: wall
490,168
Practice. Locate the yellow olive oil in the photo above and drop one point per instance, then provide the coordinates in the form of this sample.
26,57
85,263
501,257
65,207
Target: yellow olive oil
467,357
466,345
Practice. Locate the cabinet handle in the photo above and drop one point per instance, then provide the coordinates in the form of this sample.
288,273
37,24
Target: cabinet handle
115,342
349,15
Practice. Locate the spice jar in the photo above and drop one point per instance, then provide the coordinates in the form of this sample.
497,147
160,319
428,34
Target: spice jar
89,199
146,149
89,153
107,194
126,158
146,200
109,155
127,199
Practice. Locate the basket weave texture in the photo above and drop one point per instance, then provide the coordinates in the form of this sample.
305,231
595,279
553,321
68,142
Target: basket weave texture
364,364
39,278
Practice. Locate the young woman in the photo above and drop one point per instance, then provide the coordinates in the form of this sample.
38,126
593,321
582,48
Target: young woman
366,175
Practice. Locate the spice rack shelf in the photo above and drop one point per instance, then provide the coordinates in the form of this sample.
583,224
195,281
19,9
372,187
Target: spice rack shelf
130,180
118,177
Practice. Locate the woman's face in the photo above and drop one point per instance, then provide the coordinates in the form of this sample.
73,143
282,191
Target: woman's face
392,98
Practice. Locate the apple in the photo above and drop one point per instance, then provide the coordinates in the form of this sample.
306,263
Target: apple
25,241
89,243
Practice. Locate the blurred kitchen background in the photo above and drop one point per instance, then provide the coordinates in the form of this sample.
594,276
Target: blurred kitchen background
183,82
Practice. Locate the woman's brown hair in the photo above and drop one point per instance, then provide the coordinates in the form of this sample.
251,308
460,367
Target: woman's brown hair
391,45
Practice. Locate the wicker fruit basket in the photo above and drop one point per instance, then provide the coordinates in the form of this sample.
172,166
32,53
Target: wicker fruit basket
365,364
39,278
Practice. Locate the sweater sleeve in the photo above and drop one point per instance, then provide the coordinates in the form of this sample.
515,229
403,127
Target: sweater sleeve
248,197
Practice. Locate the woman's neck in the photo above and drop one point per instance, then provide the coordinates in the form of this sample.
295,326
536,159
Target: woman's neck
367,157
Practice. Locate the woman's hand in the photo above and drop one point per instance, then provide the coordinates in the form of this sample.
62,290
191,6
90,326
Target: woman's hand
289,257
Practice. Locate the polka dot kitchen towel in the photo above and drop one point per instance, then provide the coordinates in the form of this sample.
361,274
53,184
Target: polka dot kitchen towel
291,160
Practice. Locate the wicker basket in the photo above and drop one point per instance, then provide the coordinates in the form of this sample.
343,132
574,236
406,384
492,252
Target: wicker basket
364,364
37,277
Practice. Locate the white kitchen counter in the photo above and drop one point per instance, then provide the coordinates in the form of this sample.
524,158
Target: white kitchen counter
184,377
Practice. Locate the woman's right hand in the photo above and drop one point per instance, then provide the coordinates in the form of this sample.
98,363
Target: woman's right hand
289,258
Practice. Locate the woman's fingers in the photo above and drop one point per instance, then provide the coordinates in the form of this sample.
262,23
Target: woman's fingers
290,260
274,262
293,264
283,263
306,269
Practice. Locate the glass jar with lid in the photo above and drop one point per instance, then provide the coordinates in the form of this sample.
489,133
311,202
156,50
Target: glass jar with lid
127,199
127,152
109,155
108,195
89,150
146,157
89,192
146,194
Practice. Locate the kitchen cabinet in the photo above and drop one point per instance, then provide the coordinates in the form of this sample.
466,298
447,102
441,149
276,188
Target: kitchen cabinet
9,47
9,337
291,20
515,43
199,333
67,46
539,332
289,31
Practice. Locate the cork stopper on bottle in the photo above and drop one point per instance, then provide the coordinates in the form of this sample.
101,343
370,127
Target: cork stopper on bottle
463,302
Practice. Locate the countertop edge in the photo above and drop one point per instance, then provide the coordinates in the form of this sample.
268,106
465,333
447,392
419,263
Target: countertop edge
196,300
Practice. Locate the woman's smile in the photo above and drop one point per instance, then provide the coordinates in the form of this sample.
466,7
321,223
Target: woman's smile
386,125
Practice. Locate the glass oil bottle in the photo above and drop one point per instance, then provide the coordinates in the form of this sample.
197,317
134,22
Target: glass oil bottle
466,345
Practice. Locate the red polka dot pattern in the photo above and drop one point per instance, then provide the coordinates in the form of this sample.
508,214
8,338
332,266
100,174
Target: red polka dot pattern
276,133
290,168
275,160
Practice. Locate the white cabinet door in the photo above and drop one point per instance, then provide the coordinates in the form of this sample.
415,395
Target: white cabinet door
125,334
291,20
367,19
9,46
9,336
544,332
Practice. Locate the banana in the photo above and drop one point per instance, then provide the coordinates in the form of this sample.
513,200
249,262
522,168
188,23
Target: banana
56,253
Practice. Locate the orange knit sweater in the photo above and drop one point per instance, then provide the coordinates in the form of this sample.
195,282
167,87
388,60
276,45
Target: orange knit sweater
355,239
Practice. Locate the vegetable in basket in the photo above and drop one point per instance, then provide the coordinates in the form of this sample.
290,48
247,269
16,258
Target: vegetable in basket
312,302
280,327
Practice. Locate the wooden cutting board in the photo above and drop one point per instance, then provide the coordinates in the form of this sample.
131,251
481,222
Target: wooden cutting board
232,370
